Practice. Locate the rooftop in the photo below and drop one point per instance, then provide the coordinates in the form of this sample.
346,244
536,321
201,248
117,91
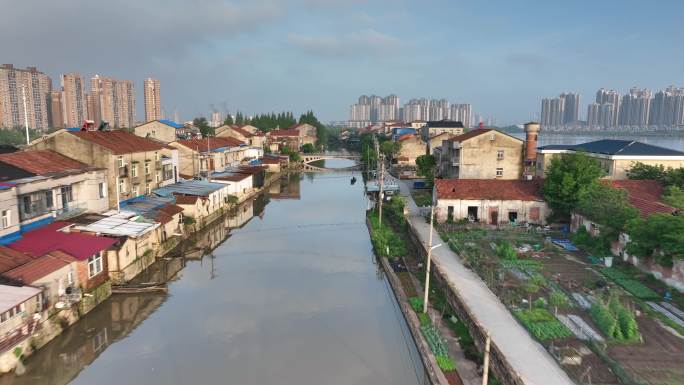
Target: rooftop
42,162
192,187
471,134
289,132
171,123
119,224
445,123
488,189
39,267
118,141
212,144
50,238
11,296
645,195
616,147
158,209
10,259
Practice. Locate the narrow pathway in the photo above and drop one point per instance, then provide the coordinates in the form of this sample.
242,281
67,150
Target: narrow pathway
526,357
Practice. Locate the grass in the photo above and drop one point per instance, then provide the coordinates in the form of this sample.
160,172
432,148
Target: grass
386,242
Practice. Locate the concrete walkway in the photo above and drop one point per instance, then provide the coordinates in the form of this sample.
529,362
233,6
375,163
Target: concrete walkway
524,355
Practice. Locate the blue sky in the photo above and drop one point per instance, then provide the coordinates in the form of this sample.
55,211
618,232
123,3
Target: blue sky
272,55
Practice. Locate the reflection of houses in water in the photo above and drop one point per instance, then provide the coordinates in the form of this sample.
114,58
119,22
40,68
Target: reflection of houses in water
288,187
60,361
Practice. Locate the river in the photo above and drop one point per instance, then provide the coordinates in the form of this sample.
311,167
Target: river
290,294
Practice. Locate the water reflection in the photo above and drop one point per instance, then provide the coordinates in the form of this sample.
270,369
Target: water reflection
284,294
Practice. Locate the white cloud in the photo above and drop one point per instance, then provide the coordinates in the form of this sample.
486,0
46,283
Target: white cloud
363,43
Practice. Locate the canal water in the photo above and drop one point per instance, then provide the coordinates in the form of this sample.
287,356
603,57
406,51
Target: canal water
286,291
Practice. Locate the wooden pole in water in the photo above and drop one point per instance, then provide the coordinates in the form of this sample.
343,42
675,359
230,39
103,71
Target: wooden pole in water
485,369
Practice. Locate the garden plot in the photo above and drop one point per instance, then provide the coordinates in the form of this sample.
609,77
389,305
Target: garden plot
666,313
579,327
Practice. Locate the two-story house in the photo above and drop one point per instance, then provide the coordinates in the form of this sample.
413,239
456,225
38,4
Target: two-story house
135,165
201,156
253,139
482,154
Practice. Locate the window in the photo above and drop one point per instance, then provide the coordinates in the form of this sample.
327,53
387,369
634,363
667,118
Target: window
94,265
26,201
48,199
154,133
6,219
120,161
135,191
147,167
122,189
148,190
70,278
67,194
103,190
499,154
156,155
158,177
499,172
134,170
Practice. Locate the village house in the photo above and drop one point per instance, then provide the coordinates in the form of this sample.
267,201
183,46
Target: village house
482,154
46,186
434,144
163,211
437,127
279,139
253,139
490,201
201,200
615,155
134,165
273,163
163,130
647,197
307,133
20,313
89,268
412,146
238,184
201,156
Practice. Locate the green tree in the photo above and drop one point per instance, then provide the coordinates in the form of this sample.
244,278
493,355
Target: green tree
674,196
645,171
390,148
606,205
567,177
229,120
426,167
239,118
203,126
659,236
16,136
308,148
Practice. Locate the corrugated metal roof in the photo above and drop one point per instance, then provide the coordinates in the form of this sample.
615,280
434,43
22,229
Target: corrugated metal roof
49,238
212,144
37,268
10,258
124,223
11,296
41,162
617,147
119,142
192,187
171,123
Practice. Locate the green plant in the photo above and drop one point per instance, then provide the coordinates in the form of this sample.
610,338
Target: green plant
558,299
424,319
632,286
188,220
445,363
615,320
542,324
416,304
505,251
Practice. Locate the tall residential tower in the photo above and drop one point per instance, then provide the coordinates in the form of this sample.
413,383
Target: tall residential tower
19,84
152,100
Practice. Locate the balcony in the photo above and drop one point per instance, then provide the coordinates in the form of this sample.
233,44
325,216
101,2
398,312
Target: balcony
74,209
123,171
158,164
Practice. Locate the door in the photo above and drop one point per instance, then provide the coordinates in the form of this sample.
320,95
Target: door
494,217
472,213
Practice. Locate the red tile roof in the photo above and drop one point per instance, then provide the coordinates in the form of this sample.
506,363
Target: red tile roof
119,142
212,143
10,258
49,238
645,195
37,268
186,199
405,137
290,132
488,189
242,131
41,162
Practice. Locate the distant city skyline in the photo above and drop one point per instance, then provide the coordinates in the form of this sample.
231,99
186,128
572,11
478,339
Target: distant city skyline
372,109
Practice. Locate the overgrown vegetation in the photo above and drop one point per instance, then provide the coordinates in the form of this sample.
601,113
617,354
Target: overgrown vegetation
659,236
566,179
615,320
542,324
386,242
425,167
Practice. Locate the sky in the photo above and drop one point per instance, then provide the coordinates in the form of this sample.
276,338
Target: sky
273,55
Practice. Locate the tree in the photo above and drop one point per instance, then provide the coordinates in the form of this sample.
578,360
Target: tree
390,148
674,196
606,205
308,148
567,177
659,236
322,132
17,136
203,126
239,118
645,171
229,120
426,167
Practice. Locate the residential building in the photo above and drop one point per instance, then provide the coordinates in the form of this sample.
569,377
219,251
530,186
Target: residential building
165,131
20,311
434,128
571,104
152,100
56,109
163,211
635,108
611,97
24,87
201,200
9,213
552,113
434,144
616,156
114,101
462,113
254,139
273,163
490,201
667,108
74,101
51,187
200,156
307,133
482,154
134,165
412,146
279,139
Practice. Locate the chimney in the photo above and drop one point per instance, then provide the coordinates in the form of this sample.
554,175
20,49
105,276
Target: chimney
531,133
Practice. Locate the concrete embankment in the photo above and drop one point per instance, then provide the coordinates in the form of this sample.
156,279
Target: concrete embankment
516,359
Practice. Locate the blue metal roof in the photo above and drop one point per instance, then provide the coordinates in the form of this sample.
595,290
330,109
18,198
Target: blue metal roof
171,123
147,205
617,147
191,187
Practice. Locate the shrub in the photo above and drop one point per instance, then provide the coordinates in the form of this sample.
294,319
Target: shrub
187,220
445,363
424,319
416,304
505,251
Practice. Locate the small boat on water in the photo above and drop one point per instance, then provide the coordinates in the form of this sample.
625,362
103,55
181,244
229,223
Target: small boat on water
353,180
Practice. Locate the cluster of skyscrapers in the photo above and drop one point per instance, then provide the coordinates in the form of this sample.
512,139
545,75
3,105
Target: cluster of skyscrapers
375,109
638,109
27,98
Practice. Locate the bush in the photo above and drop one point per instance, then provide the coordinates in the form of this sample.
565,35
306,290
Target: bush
416,304
632,286
386,242
445,363
505,251
187,220
424,319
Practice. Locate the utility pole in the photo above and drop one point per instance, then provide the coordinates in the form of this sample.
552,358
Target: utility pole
429,260
382,181
23,96
485,369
